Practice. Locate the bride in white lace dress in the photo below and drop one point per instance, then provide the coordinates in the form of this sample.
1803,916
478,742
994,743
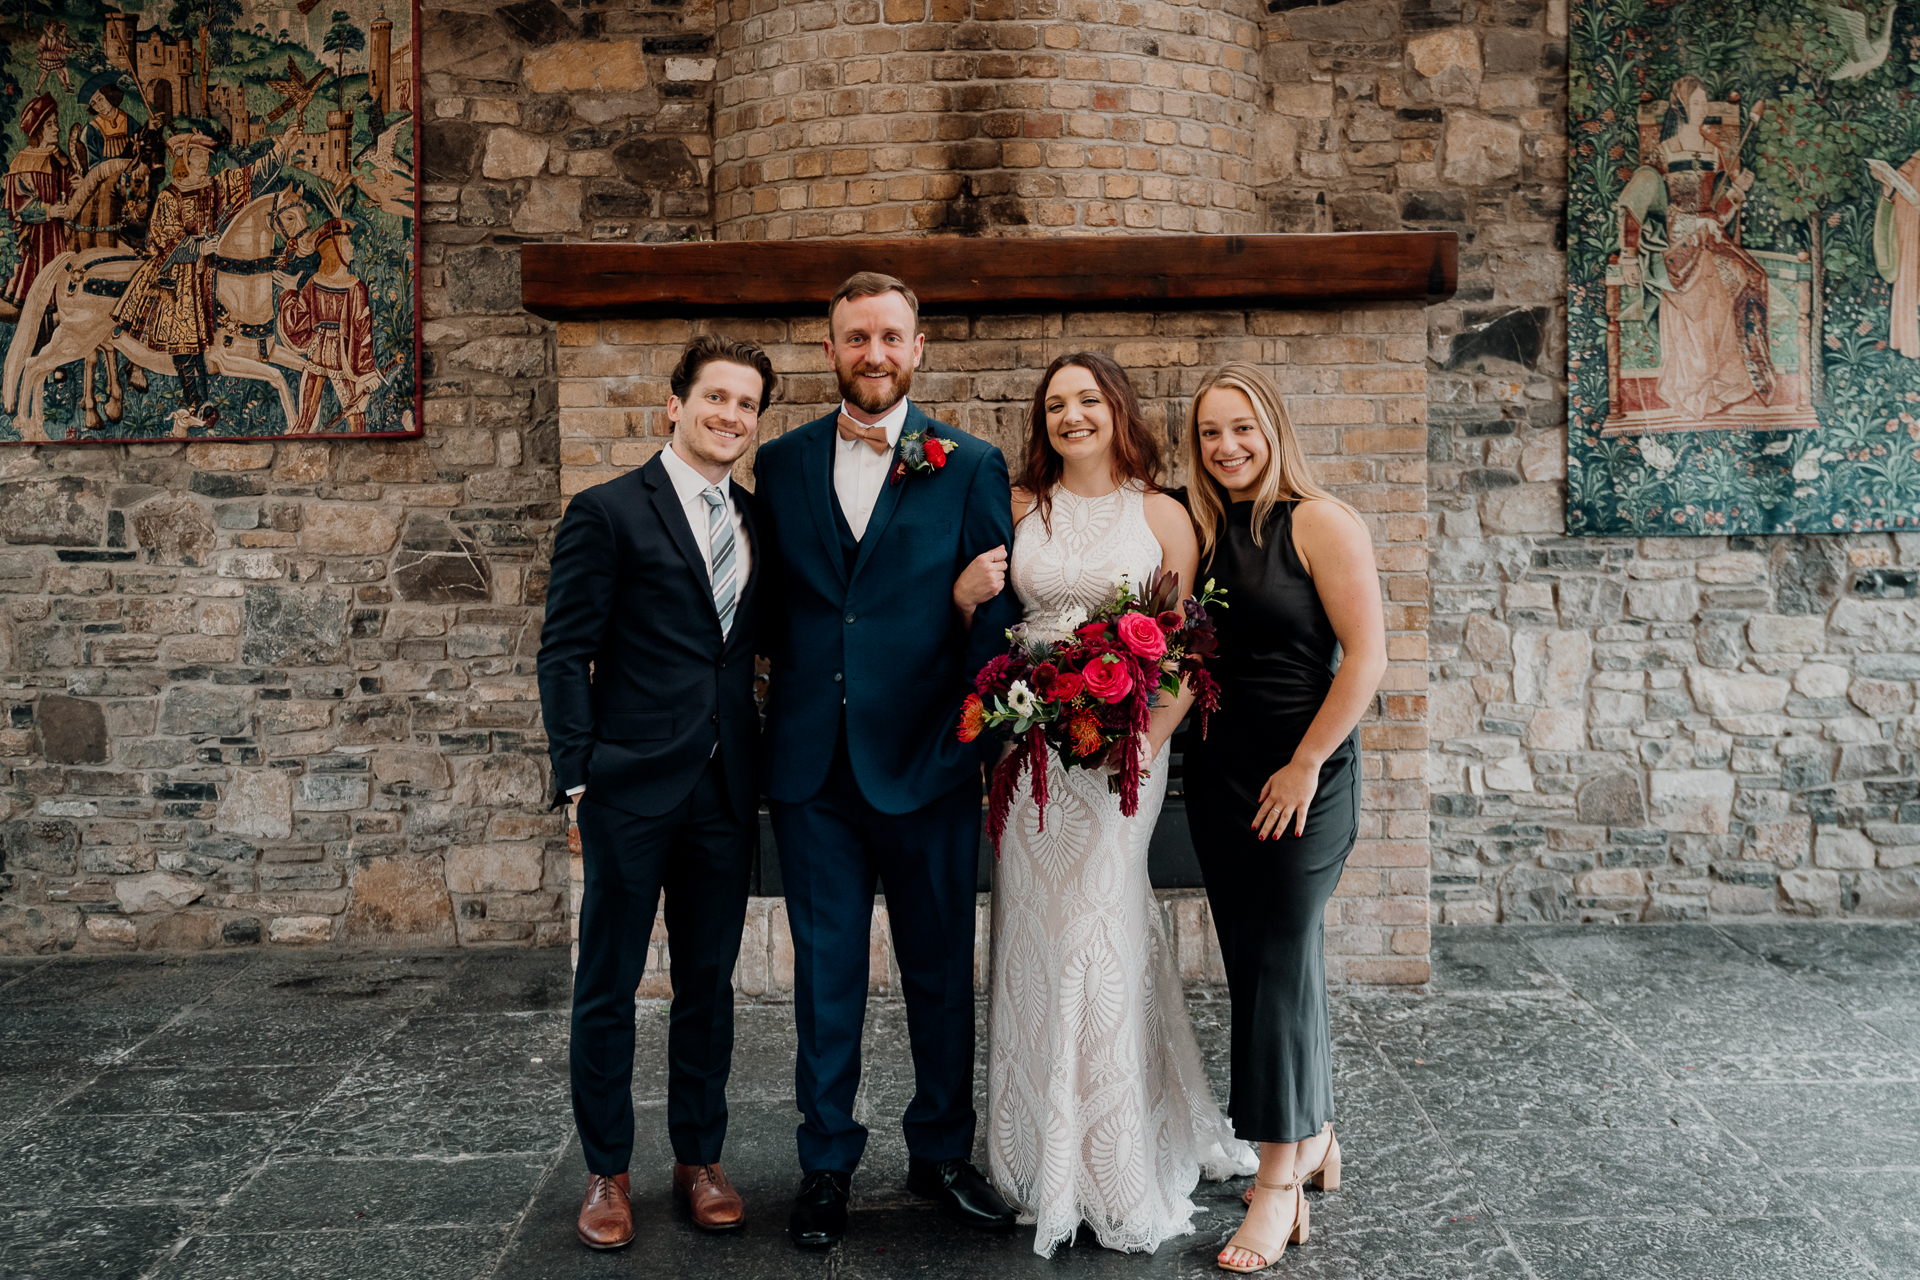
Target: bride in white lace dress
1099,1106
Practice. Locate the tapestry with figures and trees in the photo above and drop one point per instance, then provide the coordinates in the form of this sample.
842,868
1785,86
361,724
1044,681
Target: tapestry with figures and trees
1743,267
210,223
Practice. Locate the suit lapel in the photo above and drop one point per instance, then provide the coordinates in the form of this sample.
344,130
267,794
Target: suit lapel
890,493
816,470
666,501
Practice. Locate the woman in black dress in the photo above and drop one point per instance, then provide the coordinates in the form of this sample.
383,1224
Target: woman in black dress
1273,792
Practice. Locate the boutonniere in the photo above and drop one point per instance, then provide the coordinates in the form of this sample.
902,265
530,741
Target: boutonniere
920,451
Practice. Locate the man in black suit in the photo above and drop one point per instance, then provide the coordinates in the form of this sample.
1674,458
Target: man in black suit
646,686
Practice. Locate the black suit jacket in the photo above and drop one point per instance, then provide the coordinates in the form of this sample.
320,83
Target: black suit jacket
636,684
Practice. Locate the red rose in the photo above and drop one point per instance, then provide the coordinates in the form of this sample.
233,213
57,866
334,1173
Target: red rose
1108,678
1143,636
1092,631
936,452
1066,687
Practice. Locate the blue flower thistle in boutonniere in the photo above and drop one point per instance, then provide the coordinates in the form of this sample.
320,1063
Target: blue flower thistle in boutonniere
920,451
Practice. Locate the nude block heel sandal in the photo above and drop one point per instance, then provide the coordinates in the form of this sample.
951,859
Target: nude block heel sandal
1327,1176
1268,1252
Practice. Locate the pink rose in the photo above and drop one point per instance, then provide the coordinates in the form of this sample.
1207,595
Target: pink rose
1143,635
1108,678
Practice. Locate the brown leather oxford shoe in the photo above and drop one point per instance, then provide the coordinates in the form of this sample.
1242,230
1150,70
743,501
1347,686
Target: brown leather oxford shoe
606,1215
709,1197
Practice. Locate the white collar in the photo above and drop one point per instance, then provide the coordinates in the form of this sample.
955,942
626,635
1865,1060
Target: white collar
688,483
893,424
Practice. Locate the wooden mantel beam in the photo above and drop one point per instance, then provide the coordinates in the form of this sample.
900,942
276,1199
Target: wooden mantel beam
954,273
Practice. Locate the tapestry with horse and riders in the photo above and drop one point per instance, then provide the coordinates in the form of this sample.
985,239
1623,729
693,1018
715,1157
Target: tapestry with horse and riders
210,230
1743,267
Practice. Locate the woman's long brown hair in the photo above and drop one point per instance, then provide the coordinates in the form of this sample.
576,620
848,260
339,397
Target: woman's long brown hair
1136,454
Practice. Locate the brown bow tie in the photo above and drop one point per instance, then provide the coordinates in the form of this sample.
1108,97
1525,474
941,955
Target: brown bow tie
876,437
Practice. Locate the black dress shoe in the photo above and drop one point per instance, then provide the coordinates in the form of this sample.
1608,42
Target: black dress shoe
963,1192
820,1208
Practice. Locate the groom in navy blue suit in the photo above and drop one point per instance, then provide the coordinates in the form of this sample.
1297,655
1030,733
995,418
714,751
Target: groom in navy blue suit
871,658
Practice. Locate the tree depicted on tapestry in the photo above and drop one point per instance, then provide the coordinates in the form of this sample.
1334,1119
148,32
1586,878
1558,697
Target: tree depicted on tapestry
1743,267
210,224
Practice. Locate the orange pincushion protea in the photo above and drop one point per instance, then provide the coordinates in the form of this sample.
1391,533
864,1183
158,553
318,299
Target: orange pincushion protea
1084,731
973,718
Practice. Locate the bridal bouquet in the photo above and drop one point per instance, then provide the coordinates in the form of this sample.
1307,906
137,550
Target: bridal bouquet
1088,697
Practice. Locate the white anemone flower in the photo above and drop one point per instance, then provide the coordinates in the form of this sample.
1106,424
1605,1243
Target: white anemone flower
1020,699
1074,618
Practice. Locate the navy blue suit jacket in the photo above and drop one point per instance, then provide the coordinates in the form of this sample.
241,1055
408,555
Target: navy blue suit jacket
885,637
637,687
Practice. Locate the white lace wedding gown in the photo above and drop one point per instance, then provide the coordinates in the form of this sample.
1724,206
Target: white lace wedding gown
1099,1107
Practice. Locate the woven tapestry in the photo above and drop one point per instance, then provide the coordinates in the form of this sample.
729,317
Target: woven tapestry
1743,268
210,224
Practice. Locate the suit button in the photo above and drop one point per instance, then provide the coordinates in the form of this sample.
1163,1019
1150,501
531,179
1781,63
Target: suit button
836,677
849,619
715,719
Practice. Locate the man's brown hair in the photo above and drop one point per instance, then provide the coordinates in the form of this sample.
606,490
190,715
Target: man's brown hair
707,348
871,284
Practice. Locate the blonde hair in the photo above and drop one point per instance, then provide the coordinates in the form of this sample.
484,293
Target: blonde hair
1286,477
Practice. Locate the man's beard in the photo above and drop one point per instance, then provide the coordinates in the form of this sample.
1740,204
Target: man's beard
868,398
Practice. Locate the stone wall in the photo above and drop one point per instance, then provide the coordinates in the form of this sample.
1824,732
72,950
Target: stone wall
283,693
1355,382
1623,730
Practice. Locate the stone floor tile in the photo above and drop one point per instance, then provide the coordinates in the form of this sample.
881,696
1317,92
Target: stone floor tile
449,1085
507,982
1520,1060
202,1090
1686,1248
1413,1183
1877,1213
110,1242
1850,960
1475,1121
76,982
440,1253
309,1195
759,1161
298,1009
1642,1173
1900,1025
1464,1250
106,1160
29,1092
14,968
1645,957
1488,958
1829,1125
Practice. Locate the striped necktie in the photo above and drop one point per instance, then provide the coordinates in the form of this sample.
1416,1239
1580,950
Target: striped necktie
720,555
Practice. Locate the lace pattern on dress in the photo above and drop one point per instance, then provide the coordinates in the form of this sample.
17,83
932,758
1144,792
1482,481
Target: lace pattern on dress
1099,1105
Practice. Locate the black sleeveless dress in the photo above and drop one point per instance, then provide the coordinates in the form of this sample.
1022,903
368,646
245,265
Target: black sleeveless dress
1269,898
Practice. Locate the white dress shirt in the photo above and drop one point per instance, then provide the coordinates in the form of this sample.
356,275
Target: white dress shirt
859,473
688,485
